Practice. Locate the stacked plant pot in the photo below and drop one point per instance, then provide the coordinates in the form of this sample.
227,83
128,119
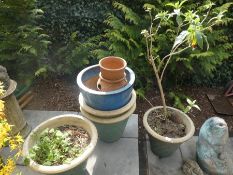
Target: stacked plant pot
107,97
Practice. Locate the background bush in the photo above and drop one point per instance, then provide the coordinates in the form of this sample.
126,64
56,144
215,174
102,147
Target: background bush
22,43
198,67
212,67
63,17
79,36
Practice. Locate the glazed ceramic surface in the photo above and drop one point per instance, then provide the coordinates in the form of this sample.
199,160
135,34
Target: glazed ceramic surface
108,114
110,129
105,101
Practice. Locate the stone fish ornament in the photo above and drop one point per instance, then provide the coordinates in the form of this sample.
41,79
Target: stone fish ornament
211,152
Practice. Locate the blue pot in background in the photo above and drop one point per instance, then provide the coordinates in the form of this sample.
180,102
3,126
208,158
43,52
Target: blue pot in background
105,101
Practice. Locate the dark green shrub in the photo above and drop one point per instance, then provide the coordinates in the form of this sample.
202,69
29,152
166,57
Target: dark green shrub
74,56
63,17
122,38
22,43
200,67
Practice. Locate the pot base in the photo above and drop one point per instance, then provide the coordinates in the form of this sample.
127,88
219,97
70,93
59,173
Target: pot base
162,149
111,132
80,170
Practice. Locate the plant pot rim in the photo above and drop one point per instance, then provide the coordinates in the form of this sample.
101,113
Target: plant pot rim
109,120
75,162
107,114
83,87
10,90
119,58
167,139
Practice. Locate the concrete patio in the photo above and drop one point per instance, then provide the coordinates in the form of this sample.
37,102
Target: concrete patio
121,157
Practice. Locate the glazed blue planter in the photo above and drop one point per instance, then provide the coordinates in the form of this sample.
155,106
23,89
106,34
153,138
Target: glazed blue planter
105,101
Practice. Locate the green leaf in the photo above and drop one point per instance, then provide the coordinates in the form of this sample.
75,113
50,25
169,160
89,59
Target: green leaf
148,6
197,107
180,38
33,51
85,61
179,20
171,4
189,101
41,71
206,40
25,47
182,2
73,36
199,39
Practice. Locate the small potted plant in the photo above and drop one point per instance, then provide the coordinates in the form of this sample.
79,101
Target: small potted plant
60,145
168,127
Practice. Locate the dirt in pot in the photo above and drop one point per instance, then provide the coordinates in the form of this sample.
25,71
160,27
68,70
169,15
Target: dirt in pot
78,136
170,126
57,146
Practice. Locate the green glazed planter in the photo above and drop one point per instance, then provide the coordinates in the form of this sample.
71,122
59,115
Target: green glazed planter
162,149
110,129
111,132
165,146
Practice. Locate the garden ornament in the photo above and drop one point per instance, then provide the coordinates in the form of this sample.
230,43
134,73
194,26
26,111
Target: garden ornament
4,78
211,153
191,167
12,110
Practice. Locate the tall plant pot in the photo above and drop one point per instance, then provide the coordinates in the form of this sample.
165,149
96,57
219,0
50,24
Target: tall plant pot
14,114
110,129
164,146
77,165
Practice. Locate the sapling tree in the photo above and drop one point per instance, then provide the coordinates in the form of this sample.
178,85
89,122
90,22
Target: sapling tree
190,29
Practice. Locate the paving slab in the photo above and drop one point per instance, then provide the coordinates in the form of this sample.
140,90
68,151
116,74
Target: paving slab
164,166
118,158
188,149
172,164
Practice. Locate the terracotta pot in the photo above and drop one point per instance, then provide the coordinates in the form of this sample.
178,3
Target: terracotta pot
110,85
112,68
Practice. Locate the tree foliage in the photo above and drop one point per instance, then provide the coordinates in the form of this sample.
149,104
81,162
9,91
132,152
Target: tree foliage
22,42
122,39
63,17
